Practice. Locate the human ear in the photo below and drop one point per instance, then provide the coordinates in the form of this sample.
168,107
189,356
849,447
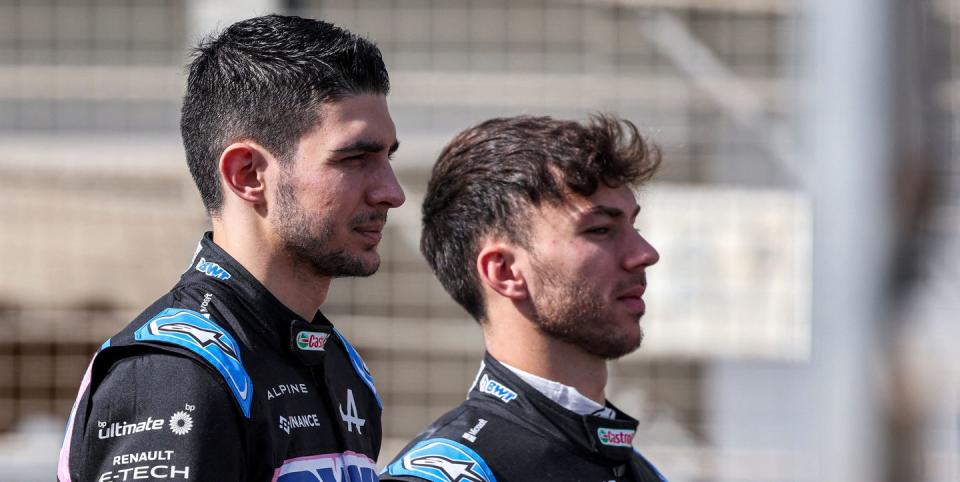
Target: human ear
498,269
241,168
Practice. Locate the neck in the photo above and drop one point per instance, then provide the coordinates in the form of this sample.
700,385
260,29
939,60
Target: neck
287,280
516,341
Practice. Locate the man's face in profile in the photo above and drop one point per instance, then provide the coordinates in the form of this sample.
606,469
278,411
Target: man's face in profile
332,198
589,271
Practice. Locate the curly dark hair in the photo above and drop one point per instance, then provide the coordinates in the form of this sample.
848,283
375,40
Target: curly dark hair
265,79
489,176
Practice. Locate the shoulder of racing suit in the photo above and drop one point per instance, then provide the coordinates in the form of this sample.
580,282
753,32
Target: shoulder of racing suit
509,431
185,332
157,415
439,455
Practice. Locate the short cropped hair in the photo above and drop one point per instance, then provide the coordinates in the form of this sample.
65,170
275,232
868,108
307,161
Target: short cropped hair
264,79
489,176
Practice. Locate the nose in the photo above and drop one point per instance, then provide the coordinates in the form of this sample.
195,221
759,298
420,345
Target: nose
640,255
386,189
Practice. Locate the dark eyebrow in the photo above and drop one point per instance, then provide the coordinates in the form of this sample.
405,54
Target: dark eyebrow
367,145
610,211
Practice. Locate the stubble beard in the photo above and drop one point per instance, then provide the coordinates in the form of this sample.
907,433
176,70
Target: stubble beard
571,311
307,239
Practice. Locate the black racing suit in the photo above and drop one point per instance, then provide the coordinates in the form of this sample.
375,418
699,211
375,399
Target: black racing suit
218,381
507,431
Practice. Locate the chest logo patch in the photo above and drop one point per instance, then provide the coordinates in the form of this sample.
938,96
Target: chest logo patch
351,417
616,437
181,423
292,422
287,389
312,340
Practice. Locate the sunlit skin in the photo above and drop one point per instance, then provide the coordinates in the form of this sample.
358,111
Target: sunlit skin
341,172
590,241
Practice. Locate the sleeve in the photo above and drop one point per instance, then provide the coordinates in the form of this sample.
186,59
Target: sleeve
160,416
439,460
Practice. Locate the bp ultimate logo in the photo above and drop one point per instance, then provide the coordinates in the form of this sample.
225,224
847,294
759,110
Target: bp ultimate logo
615,437
180,423
495,388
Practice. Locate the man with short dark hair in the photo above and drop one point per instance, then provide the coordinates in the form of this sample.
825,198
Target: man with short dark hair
528,224
235,374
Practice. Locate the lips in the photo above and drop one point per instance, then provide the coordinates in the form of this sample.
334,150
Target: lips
633,298
634,292
371,232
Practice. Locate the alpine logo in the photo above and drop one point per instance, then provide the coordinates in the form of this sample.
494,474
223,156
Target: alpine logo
212,269
203,336
495,388
616,437
351,417
453,470
312,340
286,389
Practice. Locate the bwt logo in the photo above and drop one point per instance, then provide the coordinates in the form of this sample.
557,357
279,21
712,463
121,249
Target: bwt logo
212,269
495,388
350,473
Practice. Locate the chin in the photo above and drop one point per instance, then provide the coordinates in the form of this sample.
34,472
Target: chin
370,264
630,322
617,348
633,337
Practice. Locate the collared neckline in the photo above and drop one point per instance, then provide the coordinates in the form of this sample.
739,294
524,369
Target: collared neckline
212,265
564,395
498,386
214,270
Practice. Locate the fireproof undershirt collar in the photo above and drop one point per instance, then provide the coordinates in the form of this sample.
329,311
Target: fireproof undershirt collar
564,395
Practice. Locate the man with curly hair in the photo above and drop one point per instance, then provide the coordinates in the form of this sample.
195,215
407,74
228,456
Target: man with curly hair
528,222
